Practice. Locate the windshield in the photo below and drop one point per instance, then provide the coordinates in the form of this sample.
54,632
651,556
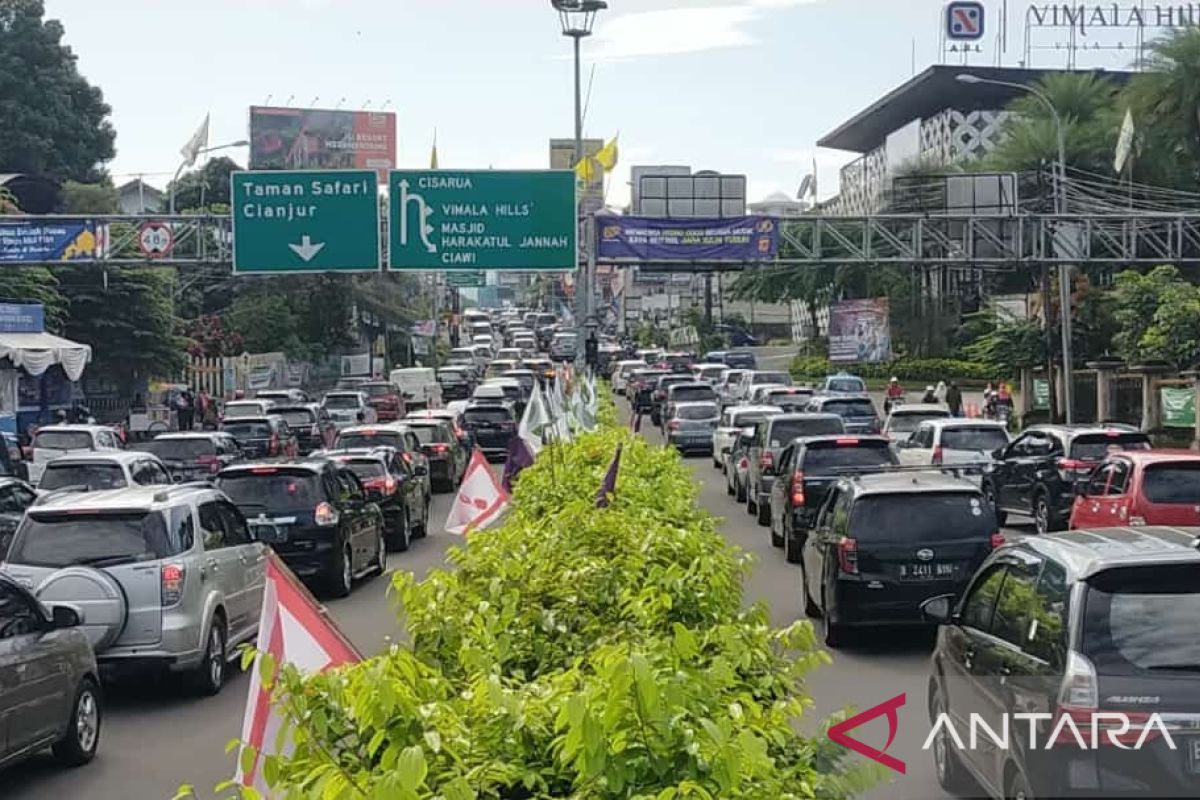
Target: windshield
698,412
96,539
785,430
831,456
1095,446
246,410
181,449
984,440
749,418
850,408
922,518
365,468
907,423
767,378
740,359
342,402
272,488
63,440
693,393
297,417
1172,484
93,476
451,376
487,414
1140,621
848,385
354,440
247,430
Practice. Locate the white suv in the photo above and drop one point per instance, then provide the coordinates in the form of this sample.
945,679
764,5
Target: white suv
54,441
164,577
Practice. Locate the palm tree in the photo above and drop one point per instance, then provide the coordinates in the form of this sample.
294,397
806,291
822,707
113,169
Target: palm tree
1165,103
8,202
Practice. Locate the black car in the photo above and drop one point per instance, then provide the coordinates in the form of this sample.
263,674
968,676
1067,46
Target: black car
314,428
807,469
262,437
857,411
315,514
395,486
195,456
492,424
15,497
791,399
447,459
1076,625
679,363
740,359
641,388
658,398
457,382
396,435
1036,474
885,543
771,436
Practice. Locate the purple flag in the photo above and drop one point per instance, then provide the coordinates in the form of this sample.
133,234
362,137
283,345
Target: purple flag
609,487
517,459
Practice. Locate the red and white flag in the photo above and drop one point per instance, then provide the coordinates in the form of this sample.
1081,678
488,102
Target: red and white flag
480,500
296,631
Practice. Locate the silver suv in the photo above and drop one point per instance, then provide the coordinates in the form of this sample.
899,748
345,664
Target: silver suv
163,577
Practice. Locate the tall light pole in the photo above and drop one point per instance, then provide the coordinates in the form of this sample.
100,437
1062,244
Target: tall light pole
202,151
1060,207
577,18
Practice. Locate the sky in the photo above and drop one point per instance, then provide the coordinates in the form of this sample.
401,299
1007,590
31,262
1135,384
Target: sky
739,86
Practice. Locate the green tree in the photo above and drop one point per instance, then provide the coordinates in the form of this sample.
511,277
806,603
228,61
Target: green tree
205,189
52,121
1135,303
1164,99
90,198
1007,346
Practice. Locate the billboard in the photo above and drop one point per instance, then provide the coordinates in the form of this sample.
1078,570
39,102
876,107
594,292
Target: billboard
311,138
562,156
741,239
860,331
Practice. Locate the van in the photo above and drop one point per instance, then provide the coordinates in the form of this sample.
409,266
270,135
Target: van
419,386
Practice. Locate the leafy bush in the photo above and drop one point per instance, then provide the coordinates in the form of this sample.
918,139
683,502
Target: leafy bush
575,652
910,369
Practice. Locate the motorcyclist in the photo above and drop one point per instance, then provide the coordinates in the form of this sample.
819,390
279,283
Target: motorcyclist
930,395
895,394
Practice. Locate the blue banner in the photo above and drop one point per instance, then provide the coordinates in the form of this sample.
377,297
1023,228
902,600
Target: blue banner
738,239
22,318
27,242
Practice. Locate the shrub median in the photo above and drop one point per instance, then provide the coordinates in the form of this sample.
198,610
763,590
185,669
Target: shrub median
906,369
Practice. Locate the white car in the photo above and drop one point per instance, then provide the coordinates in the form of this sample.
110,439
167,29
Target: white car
709,373
418,385
902,422
727,386
953,441
114,469
621,371
730,428
56,441
247,409
758,377
349,408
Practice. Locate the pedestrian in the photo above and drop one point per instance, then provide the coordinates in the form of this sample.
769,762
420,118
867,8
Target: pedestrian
930,395
954,399
187,410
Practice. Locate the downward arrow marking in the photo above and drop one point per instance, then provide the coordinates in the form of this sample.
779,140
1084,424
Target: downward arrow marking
306,249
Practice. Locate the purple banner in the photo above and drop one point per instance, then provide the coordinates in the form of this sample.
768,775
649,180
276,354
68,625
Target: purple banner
738,239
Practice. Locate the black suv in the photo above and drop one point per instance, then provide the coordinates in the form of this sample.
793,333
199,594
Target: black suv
857,410
193,456
770,437
1074,625
447,459
315,514
885,543
1036,474
492,425
314,428
394,486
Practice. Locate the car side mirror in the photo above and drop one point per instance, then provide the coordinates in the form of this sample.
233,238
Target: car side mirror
420,470
938,609
999,452
64,617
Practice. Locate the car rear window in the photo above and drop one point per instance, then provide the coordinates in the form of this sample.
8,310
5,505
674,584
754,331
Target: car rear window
697,412
985,439
428,434
850,408
360,439
297,417
846,385
63,440
1140,621
907,423
492,415
1095,446
342,401
693,394
749,418
451,376
272,488
49,539
784,430
831,456
92,476
247,430
740,360
781,378
922,517
1177,483
365,468
237,412
379,389
181,449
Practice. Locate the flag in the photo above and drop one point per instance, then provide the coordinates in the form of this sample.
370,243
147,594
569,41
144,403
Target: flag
609,487
607,156
588,170
294,630
199,141
534,421
433,161
480,499
1124,142
516,459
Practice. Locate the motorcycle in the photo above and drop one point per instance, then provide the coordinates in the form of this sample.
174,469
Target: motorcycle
890,402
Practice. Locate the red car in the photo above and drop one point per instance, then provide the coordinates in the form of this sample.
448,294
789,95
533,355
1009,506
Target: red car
1140,487
386,399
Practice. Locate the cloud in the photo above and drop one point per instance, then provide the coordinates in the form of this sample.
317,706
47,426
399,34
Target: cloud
675,31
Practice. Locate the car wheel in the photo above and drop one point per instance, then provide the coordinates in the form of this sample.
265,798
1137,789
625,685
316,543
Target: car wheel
82,737
810,608
728,484
764,513
777,537
750,509
1041,514
1017,786
739,491
989,494
951,774
834,634
341,573
401,534
791,545
209,674
420,531
381,551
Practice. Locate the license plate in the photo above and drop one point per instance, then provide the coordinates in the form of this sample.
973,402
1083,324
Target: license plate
930,571
1193,747
269,534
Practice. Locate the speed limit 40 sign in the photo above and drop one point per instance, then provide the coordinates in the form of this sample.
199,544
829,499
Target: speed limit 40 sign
155,239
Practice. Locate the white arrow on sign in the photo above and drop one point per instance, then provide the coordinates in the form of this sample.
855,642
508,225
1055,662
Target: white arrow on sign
306,249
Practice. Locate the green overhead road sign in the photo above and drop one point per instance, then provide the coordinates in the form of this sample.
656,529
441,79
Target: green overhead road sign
464,280
306,221
482,220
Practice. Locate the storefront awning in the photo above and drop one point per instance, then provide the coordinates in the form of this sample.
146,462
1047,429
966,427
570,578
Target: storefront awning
37,352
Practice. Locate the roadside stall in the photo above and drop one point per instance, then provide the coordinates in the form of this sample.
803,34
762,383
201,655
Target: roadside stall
38,370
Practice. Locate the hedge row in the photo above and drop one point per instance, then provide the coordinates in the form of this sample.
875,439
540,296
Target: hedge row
906,369
575,652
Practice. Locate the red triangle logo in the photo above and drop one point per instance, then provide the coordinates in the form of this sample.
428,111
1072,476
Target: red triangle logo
838,733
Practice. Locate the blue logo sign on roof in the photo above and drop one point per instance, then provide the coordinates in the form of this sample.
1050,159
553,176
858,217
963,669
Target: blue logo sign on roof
964,21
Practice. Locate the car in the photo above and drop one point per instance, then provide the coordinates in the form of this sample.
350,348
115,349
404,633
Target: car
969,442
316,516
1080,624
842,383
678,362
392,484
96,471
740,359
447,459
510,354
243,409
771,436
728,384
528,380
642,383
386,399
789,398
651,355
50,693
492,424
314,428
15,497
756,377
729,428
708,373
564,346
350,383
1035,475
457,381
263,437
349,408
691,426
715,357
454,417
1148,487
857,411
737,337
525,344
499,368
485,340
884,543
542,367
396,435
164,578
738,461
621,372
54,441
658,397
759,394
903,420
283,396
195,456
466,357
688,391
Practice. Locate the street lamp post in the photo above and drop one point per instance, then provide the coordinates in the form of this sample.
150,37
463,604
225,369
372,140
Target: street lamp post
577,18
1060,207
202,151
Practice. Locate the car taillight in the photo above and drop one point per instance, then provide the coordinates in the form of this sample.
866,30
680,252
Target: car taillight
766,460
673,424
212,462
798,489
441,448
997,540
1079,699
938,454
1137,522
171,583
325,515
407,457
508,426
273,446
848,556
1071,469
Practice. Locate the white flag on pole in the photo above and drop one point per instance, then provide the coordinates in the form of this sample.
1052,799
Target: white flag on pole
1124,142
534,421
199,141
480,500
